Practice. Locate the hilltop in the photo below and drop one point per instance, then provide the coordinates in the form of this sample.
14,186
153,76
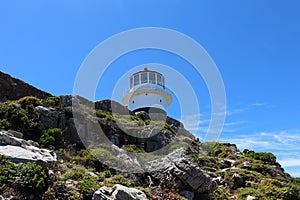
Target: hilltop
44,157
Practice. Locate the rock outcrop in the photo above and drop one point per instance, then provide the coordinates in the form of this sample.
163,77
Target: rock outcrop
13,89
119,192
19,150
180,170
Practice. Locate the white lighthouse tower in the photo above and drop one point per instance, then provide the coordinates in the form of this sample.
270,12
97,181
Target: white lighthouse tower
147,91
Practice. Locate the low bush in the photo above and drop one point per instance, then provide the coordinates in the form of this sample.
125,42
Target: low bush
117,179
29,178
4,124
52,101
220,194
50,136
30,100
268,158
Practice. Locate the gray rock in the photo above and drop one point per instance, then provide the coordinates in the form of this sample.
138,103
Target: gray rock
48,118
121,192
103,193
225,164
20,150
247,164
249,197
15,133
66,100
143,115
177,166
187,194
238,180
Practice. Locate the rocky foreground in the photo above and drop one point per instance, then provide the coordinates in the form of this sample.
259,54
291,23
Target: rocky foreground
45,158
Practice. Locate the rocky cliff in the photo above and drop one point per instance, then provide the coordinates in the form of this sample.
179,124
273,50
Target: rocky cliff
12,89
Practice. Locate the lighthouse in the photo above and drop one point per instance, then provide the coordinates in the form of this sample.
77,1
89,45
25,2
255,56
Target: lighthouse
147,92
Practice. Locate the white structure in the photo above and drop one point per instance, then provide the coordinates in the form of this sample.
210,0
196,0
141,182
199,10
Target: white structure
147,91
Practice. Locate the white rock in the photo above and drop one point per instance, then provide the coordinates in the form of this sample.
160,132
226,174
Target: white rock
20,150
122,192
249,197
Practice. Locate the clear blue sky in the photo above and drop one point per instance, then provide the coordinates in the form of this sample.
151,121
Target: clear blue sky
255,45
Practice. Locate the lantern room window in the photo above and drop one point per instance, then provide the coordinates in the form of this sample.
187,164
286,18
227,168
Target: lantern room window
136,79
159,80
144,78
152,78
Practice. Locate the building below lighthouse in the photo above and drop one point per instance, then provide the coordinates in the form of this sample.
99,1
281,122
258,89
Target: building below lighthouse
147,92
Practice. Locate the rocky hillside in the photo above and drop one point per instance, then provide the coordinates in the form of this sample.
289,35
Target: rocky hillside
44,157
13,89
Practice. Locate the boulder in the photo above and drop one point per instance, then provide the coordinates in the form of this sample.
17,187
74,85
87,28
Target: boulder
178,166
119,192
238,180
247,164
48,118
19,150
249,197
112,106
187,194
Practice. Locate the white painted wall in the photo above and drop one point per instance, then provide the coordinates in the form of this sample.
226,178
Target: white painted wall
149,100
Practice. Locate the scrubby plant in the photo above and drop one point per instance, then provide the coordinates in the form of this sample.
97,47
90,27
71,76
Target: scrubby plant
245,174
52,101
105,156
5,124
268,158
29,100
221,150
87,184
220,194
132,148
245,192
29,178
50,136
116,179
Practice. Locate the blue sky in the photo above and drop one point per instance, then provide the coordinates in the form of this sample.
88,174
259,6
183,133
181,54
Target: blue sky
255,45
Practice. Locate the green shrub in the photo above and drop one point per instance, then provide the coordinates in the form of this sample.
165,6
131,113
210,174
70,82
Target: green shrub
30,100
4,124
49,136
220,194
246,174
132,148
105,156
244,192
29,178
76,174
116,179
273,189
221,150
88,185
53,101
263,156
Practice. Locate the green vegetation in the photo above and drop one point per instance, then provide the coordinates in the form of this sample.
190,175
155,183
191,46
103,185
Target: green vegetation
52,101
28,178
4,124
117,179
132,148
263,156
220,194
26,101
50,137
